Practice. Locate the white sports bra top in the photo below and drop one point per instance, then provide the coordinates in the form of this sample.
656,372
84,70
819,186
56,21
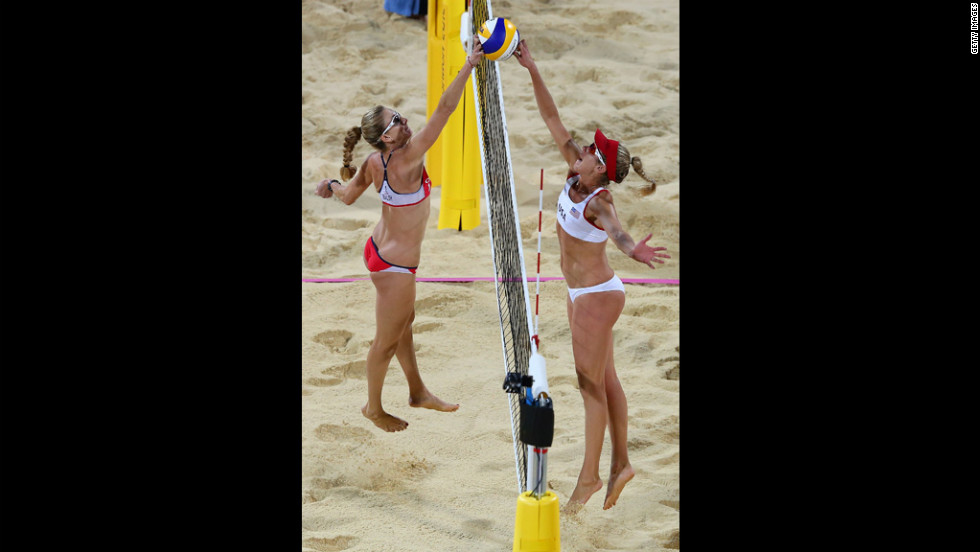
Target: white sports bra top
395,199
571,216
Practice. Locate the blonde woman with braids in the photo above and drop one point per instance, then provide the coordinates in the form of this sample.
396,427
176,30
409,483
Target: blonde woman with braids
596,296
392,253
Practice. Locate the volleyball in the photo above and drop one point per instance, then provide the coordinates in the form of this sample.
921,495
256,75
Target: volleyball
499,38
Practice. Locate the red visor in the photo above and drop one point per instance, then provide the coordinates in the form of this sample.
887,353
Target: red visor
610,150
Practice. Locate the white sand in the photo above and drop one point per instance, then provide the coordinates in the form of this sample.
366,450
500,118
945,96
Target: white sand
448,482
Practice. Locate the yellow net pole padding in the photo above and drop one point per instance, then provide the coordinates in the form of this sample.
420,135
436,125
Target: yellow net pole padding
453,162
536,526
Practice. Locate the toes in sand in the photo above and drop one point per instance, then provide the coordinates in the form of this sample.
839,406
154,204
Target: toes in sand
581,495
571,508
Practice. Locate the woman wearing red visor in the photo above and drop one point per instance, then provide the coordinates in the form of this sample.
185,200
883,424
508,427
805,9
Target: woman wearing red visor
391,253
586,219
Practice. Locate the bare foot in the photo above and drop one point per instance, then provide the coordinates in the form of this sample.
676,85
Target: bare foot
581,495
616,483
384,420
430,401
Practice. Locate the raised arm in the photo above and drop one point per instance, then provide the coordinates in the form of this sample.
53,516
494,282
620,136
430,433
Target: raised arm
638,251
429,133
546,106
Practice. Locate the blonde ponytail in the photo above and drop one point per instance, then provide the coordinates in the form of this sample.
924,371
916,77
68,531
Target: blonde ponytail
638,165
353,135
371,129
623,163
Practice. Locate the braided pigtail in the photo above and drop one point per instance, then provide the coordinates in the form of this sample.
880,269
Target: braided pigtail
353,135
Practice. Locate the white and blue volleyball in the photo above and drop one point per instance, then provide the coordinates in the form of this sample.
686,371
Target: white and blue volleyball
499,38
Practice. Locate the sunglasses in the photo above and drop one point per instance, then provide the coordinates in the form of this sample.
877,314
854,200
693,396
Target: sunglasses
395,119
595,151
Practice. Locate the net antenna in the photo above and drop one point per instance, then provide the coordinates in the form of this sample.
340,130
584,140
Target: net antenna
505,239
537,284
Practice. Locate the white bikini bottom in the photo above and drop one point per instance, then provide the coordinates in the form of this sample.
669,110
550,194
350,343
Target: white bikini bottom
614,284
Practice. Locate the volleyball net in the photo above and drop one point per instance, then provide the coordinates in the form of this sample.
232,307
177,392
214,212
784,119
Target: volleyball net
505,235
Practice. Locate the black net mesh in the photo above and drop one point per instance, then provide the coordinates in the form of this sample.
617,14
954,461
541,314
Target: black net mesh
505,235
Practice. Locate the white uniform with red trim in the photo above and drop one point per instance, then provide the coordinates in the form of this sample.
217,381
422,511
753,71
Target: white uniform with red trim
571,215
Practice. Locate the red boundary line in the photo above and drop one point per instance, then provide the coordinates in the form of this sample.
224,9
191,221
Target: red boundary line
487,279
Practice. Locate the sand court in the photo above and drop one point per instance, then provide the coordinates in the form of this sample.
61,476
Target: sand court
448,481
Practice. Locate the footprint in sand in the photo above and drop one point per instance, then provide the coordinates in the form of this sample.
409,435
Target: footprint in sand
426,327
671,459
331,433
320,487
651,311
444,305
335,340
478,525
346,224
591,74
638,443
391,474
356,369
336,544
666,430
675,504
323,382
674,372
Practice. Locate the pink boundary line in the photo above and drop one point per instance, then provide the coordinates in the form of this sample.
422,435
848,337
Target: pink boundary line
481,279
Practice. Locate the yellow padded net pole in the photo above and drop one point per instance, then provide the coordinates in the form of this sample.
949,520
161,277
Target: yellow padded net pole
536,527
453,162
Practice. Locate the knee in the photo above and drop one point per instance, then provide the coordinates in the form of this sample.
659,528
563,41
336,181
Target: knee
589,384
386,350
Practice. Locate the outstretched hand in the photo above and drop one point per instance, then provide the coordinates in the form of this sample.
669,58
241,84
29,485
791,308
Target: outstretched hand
646,254
477,54
523,54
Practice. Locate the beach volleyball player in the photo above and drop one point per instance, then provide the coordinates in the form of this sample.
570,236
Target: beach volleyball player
596,296
391,255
